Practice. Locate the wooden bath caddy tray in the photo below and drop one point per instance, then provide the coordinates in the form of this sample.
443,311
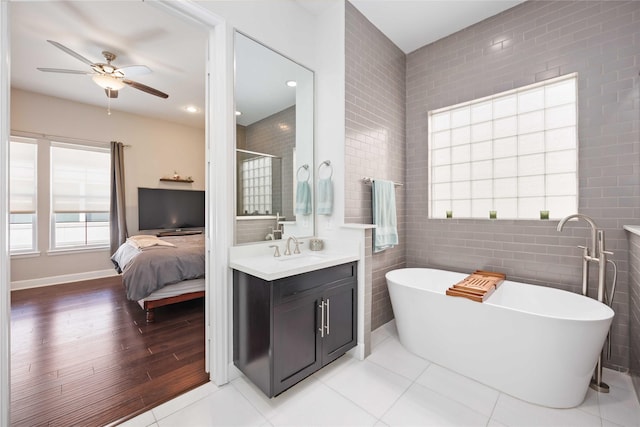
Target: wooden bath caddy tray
477,286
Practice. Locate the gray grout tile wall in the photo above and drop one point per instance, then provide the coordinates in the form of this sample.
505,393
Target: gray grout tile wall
537,40
375,140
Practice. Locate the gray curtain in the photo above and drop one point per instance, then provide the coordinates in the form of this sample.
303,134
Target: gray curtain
117,217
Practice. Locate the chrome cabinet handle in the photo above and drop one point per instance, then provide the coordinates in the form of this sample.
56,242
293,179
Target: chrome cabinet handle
321,307
328,310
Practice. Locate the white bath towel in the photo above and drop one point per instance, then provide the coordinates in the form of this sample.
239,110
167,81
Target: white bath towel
325,197
385,235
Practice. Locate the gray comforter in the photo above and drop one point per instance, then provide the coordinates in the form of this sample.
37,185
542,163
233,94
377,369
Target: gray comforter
155,267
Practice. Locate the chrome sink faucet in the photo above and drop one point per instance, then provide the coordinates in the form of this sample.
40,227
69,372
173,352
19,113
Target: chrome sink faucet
287,250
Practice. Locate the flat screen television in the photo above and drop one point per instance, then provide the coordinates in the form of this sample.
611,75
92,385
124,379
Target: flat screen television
165,209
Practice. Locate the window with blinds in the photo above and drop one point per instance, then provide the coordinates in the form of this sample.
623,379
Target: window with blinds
512,155
23,153
80,196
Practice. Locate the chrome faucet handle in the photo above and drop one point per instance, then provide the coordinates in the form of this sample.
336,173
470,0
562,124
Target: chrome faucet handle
297,249
277,251
607,252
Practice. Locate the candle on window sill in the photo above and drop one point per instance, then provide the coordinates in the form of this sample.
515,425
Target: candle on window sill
493,214
544,214
449,214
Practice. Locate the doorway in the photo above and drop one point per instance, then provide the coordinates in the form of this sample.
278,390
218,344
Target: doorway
222,131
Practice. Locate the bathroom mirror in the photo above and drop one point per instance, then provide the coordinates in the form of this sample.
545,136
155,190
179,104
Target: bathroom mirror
274,143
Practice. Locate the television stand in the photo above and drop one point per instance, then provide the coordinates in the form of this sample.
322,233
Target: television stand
179,233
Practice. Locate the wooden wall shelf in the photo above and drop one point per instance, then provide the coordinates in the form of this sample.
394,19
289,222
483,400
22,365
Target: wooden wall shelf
175,180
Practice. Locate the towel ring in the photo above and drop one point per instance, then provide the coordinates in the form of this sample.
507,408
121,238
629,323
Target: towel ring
326,163
306,168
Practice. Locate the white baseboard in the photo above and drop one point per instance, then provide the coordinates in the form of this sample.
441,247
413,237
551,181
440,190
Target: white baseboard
57,280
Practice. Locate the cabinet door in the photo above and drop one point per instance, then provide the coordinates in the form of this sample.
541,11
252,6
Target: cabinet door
340,323
296,347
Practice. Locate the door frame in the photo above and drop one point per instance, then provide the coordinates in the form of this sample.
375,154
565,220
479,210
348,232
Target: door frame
219,136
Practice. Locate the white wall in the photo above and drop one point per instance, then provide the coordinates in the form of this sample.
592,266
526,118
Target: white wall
157,149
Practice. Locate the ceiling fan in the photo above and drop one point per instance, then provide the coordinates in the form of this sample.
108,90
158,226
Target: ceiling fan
106,75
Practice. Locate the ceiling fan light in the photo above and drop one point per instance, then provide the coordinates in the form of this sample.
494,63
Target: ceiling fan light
108,82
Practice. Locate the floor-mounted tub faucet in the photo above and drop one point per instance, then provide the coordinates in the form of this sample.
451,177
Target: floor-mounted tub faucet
595,253
588,254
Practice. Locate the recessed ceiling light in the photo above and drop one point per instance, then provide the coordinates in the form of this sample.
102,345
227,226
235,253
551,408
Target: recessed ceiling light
191,109
292,83
238,113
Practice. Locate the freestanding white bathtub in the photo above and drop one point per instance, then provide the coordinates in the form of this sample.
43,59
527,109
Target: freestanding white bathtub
535,343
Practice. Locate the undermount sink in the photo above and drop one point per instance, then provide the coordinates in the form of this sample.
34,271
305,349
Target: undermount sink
301,257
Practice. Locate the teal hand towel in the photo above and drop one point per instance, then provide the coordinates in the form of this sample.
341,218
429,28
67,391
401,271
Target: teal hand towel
324,206
385,235
303,198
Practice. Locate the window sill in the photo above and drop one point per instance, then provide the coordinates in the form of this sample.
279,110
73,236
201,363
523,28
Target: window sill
71,251
19,255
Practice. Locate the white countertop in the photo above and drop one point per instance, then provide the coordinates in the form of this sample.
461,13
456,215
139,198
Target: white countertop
267,267
635,229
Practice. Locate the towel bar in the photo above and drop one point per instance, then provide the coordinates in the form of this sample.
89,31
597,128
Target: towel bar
368,180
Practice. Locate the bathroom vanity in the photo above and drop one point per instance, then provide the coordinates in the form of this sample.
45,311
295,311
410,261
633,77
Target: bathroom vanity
285,329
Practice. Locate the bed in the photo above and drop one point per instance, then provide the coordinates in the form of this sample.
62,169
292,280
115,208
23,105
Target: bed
158,271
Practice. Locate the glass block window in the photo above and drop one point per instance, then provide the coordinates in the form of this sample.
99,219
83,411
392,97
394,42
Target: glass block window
257,186
514,153
23,160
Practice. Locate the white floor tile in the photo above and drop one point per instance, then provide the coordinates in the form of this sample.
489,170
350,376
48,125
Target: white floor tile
590,404
620,406
269,407
466,391
379,392
371,386
321,406
617,379
515,412
145,419
334,367
378,336
392,355
225,407
185,399
391,328
421,406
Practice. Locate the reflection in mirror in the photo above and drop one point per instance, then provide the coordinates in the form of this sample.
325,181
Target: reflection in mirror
260,186
274,138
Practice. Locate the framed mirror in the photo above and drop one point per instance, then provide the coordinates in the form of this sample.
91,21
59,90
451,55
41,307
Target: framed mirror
274,144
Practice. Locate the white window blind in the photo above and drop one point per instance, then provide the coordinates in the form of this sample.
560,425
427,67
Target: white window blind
514,153
22,172
23,154
80,195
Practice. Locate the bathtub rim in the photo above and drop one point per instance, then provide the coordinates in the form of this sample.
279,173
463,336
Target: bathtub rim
607,312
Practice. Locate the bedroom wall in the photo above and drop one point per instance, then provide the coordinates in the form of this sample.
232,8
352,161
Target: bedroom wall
157,148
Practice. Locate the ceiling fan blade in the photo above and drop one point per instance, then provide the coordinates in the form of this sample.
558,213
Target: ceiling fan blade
70,52
61,70
111,93
135,70
145,88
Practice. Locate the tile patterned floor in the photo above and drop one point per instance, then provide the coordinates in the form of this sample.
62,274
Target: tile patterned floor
392,387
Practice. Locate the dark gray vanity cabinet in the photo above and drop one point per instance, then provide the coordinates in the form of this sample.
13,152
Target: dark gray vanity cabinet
284,330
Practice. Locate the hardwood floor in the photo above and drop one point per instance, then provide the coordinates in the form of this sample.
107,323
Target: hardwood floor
83,355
